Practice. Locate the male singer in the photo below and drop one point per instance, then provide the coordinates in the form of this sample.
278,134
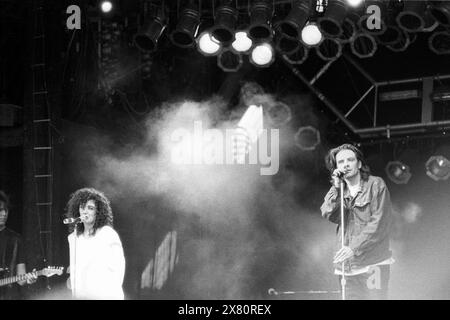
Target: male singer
367,223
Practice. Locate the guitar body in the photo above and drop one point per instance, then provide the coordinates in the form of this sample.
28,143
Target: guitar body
10,291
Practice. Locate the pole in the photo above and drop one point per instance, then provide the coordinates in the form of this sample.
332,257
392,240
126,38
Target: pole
342,236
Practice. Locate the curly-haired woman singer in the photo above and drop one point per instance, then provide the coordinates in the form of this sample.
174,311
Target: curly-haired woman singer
97,263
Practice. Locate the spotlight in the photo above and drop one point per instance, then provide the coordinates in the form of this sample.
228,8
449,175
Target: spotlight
404,41
412,18
287,45
363,45
329,49
225,22
430,22
307,138
262,55
261,12
186,30
398,172
348,30
354,3
440,10
439,42
438,168
311,35
279,114
392,33
207,44
229,61
242,42
331,22
106,6
390,36
147,37
250,93
298,57
292,25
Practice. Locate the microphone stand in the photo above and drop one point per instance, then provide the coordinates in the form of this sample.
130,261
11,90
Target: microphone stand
343,280
73,270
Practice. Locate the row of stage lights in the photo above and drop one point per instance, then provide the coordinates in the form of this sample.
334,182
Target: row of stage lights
323,25
437,168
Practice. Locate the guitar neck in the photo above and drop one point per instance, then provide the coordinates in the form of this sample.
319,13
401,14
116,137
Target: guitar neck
22,277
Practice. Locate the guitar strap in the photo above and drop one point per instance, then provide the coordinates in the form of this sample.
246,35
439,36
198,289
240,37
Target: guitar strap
14,257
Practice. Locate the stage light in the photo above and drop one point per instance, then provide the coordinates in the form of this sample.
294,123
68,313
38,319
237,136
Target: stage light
229,61
331,23
390,36
311,35
187,27
148,35
430,22
348,30
242,42
329,49
440,10
292,25
225,22
398,172
106,6
261,12
404,41
438,168
251,93
363,45
279,114
439,42
412,18
307,138
262,55
298,57
207,44
354,3
286,45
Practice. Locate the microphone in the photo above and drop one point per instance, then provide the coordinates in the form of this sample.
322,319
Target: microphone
73,220
272,291
340,174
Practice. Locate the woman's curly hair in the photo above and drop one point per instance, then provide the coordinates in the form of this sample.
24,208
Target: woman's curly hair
330,160
104,216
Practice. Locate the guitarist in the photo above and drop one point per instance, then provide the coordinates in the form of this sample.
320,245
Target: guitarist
12,261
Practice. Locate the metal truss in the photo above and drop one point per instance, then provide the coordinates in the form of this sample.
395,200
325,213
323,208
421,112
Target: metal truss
425,125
